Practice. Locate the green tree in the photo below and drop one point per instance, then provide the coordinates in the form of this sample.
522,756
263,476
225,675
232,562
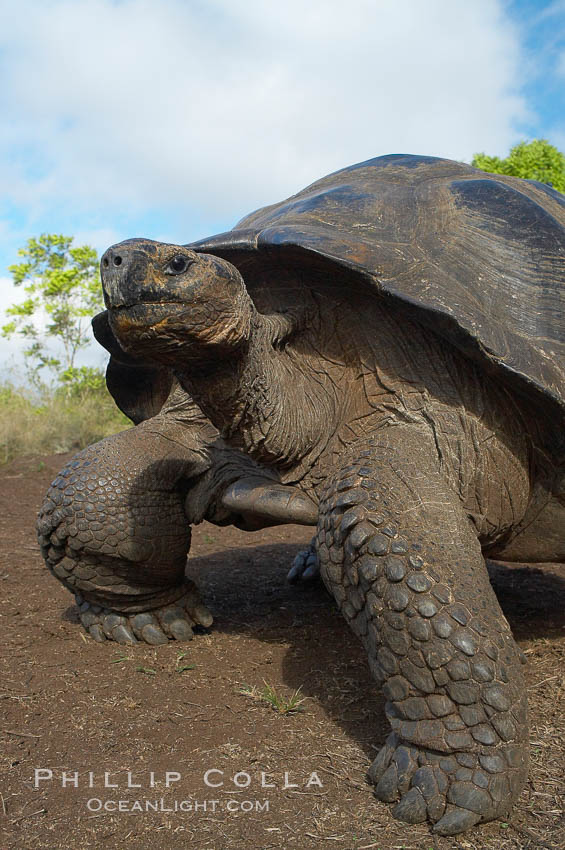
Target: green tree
63,292
537,160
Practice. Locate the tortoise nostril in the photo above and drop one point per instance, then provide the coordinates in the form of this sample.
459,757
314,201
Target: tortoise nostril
117,261
105,262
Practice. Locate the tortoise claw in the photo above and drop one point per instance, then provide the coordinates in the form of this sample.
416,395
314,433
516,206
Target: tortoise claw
455,791
456,820
155,627
153,635
123,634
305,568
96,631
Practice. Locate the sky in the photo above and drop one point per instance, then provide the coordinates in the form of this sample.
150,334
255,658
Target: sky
172,119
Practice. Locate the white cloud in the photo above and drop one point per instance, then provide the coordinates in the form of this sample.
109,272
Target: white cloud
223,106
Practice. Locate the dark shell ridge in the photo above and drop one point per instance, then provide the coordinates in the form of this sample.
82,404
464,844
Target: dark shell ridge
480,256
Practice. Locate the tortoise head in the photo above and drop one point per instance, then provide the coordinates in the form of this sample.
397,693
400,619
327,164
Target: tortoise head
166,300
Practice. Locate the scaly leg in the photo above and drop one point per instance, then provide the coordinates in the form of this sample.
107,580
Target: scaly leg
114,531
115,526
405,566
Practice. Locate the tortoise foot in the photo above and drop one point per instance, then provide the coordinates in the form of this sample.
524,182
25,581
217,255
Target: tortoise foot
305,568
156,626
452,790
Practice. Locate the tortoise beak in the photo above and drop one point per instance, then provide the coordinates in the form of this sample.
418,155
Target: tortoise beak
132,274
123,269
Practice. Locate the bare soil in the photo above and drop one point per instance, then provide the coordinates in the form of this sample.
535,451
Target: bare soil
70,705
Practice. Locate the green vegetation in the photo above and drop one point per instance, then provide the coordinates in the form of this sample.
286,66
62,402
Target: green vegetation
63,293
180,668
63,407
537,160
269,694
54,420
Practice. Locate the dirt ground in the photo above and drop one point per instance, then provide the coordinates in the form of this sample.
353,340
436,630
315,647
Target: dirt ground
75,710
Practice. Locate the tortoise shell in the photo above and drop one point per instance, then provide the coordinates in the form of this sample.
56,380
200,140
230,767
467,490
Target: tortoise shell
478,257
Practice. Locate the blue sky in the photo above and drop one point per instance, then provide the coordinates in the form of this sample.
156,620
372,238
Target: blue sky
173,118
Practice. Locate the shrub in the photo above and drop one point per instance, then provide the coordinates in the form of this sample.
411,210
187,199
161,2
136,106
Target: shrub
54,420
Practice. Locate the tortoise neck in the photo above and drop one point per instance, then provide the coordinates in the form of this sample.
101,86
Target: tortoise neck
259,397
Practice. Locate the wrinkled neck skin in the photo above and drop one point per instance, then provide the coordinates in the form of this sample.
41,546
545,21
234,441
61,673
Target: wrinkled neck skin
263,400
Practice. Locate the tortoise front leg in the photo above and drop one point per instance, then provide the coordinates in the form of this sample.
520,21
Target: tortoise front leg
115,527
405,566
113,530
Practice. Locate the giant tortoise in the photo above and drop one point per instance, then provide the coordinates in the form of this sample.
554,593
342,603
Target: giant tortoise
389,342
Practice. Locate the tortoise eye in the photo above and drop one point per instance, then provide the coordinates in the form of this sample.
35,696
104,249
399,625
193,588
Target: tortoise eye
178,265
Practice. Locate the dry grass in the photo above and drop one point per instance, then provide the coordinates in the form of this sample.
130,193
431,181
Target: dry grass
55,422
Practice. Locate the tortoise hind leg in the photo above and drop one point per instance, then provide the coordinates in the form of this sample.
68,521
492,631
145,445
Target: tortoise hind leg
305,567
404,564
